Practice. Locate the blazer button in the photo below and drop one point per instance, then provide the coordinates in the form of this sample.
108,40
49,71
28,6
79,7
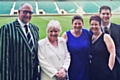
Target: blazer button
32,53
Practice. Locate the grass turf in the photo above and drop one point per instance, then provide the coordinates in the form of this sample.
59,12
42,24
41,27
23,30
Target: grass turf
42,21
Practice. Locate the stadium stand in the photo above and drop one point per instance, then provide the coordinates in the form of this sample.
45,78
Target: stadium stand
70,8
18,3
5,7
10,7
48,7
117,3
88,6
109,3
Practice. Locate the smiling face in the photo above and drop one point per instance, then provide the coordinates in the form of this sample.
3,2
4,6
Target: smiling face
53,33
105,15
25,13
77,25
95,26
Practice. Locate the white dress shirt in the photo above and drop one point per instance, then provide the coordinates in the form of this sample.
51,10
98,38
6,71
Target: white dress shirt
108,26
23,28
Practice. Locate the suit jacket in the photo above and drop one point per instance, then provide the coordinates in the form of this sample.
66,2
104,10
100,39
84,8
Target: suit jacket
51,59
115,34
17,62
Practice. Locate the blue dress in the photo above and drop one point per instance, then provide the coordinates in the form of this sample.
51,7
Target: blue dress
79,48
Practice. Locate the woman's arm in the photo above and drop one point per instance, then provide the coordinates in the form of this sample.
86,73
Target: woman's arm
111,49
63,70
64,35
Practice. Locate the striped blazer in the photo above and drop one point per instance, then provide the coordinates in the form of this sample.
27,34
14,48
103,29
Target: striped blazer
17,62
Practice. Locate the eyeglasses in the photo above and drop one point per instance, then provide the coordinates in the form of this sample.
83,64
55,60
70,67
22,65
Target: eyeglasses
26,12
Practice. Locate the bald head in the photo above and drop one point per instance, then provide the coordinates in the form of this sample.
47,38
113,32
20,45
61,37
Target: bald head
25,12
24,5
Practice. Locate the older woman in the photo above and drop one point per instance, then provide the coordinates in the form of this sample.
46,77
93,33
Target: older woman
78,42
53,55
102,52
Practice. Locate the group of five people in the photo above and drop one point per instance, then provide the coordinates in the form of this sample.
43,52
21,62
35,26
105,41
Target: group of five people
78,55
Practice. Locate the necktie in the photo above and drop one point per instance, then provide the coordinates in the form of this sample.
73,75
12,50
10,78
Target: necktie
29,38
106,30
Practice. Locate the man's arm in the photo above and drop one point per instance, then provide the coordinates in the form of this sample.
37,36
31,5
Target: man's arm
4,52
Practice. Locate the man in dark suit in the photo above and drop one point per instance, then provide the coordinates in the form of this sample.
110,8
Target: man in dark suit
114,31
18,47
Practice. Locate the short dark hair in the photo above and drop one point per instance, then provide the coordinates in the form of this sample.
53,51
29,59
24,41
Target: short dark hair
95,17
104,7
77,17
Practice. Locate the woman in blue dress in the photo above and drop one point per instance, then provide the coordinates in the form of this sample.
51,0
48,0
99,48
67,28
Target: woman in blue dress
79,47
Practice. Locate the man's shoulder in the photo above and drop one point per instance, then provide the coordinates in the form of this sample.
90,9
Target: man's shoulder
114,24
34,26
7,25
61,39
42,42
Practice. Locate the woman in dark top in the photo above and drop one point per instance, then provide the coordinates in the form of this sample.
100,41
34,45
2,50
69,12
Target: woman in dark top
102,52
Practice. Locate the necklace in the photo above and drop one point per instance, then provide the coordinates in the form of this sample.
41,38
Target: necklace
94,38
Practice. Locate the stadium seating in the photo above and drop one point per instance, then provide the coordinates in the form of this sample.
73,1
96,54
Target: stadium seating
88,6
48,7
108,3
18,3
5,7
56,7
69,7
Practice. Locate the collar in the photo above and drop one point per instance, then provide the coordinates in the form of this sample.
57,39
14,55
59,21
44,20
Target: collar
48,42
21,23
108,26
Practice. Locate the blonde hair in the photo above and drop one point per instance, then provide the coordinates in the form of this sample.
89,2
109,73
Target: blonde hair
54,24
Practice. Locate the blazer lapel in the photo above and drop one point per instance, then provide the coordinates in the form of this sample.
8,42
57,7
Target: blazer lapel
34,33
111,28
19,29
52,48
61,46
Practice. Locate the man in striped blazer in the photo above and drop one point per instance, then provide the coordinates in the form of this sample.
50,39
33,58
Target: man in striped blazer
18,61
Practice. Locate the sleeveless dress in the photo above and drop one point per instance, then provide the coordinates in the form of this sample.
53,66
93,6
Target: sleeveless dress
79,48
99,69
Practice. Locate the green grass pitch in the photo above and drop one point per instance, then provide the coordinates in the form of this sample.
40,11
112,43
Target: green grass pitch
65,21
